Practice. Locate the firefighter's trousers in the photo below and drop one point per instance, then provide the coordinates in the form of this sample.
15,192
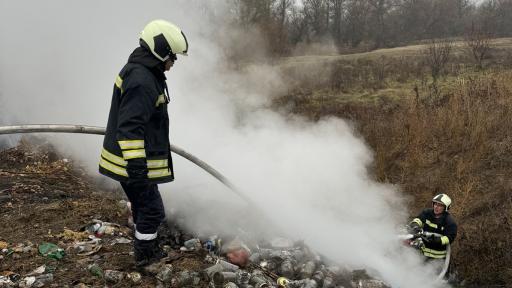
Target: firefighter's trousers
147,209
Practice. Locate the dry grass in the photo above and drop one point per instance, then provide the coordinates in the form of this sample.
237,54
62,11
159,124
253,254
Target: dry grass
458,143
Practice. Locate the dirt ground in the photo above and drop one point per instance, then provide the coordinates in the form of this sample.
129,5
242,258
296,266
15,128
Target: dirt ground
41,195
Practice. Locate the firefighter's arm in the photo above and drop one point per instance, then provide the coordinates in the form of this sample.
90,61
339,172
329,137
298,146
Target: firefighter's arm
135,111
449,234
416,224
450,231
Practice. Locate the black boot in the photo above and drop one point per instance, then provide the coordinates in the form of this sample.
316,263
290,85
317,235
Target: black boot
147,252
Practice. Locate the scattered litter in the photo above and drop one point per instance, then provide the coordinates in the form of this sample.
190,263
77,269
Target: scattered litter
27,281
213,244
121,240
6,282
100,228
95,270
86,248
191,245
43,279
51,250
39,270
165,274
70,235
113,276
11,275
3,245
239,257
186,279
134,276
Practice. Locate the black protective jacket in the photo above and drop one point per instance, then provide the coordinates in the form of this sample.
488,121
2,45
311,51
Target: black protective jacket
138,123
444,225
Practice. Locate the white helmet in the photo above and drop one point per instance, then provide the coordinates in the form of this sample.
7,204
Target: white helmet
164,39
443,199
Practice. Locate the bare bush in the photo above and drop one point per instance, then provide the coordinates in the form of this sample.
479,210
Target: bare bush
437,56
478,43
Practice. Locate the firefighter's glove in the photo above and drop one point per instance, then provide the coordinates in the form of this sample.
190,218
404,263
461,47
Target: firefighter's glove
413,228
137,170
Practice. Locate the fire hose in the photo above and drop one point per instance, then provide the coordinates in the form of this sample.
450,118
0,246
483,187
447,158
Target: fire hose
418,236
82,129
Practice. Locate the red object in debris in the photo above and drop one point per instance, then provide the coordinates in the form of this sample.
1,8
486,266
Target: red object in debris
238,257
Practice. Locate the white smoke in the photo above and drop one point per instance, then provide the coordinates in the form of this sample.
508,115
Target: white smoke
58,63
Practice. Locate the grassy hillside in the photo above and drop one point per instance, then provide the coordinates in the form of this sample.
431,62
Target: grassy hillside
455,138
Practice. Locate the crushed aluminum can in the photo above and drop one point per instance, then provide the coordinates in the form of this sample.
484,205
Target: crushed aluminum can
217,280
95,270
26,282
114,276
43,279
186,279
328,282
304,283
135,277
255,257
286,268
209,259
192,244
269,265
210,271
242,278
227,276
93,228
280,255
318,276
121,240
165,274
228,266
370,283
307,269
298,255
258,279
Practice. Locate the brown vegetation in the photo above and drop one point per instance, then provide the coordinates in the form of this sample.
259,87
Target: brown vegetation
457,143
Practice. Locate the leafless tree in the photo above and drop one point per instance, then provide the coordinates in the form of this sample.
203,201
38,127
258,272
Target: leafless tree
356,21
316,13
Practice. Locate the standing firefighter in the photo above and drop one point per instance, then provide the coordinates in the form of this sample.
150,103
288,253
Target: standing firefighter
437,220
136,148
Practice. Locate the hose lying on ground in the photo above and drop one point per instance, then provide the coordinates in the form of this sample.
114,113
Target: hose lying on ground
82,129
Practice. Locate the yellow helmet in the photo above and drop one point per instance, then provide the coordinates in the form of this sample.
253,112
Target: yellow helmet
164,39
443,199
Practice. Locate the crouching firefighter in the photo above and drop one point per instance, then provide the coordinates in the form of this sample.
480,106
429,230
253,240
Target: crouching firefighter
439,221
136,147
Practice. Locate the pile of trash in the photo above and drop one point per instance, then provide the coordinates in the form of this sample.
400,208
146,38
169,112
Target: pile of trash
213,261
279,262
